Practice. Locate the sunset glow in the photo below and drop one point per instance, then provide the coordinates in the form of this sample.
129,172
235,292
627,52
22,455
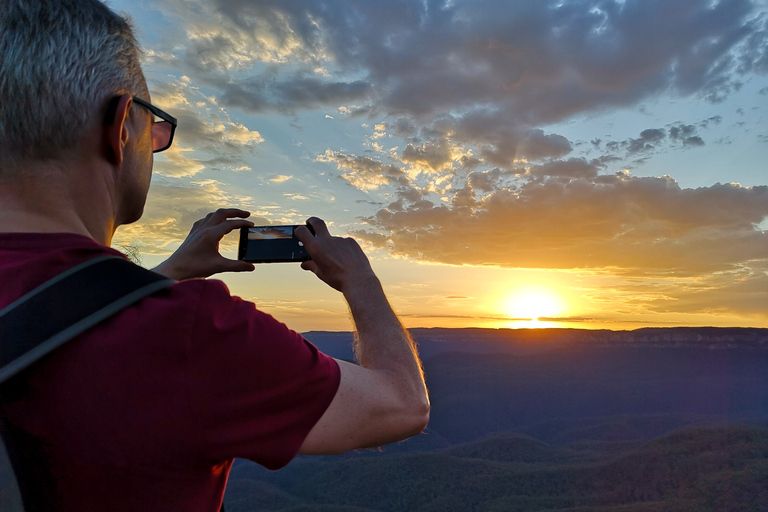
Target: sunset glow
496,160
534,304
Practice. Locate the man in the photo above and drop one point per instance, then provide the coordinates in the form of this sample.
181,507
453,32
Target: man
147,410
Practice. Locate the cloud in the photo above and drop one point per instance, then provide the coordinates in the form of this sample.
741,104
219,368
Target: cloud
653,140
740,292
202,122
464,84
573,168
435,155
499,138
647,141
365,173
485,181
633,225
174,163
203,126
295,197
534,62
172,207
472,89
682,131
259,94
693,141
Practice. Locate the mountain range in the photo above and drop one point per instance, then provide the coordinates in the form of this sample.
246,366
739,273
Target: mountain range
566,420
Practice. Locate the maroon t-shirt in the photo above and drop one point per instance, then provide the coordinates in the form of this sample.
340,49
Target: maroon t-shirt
147,410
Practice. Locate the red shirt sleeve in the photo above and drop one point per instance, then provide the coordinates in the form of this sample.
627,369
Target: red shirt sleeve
256,388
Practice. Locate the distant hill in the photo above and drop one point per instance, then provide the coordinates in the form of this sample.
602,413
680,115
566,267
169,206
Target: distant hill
533,341
695,470
474,395
572,420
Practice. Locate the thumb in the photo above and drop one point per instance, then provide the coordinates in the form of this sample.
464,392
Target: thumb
309,265
237,266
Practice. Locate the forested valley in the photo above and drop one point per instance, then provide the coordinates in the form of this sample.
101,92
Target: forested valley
554,420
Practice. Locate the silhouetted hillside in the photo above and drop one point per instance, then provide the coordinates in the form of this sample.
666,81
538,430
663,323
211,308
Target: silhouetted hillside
698,470
571,420
474,395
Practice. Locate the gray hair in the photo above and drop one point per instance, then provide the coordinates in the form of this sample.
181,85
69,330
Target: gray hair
60,62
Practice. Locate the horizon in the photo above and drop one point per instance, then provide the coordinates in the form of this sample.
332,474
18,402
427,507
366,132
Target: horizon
539,329
555,164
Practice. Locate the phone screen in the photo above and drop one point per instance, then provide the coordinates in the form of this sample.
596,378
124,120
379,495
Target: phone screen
271,244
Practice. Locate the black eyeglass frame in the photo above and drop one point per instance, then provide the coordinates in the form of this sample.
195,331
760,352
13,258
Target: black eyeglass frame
162,115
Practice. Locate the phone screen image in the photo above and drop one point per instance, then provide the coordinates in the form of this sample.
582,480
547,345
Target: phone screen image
271,244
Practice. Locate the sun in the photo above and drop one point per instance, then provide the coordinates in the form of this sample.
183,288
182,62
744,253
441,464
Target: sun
533,304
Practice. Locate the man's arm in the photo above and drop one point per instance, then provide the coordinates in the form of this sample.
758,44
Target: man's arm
384,399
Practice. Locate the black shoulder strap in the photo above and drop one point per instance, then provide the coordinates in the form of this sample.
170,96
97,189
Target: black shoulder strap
67,305
49,316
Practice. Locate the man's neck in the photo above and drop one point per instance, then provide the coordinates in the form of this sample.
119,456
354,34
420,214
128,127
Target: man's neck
62,202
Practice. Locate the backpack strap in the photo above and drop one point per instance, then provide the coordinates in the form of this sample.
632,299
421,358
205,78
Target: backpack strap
67,305
52,314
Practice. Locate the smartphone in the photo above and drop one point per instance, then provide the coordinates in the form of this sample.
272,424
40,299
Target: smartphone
271,244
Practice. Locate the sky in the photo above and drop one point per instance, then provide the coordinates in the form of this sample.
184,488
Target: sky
557,163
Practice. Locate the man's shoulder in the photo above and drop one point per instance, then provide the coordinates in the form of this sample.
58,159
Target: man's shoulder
203,295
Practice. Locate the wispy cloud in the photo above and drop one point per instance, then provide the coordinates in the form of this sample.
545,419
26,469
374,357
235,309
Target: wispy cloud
206,127
172,207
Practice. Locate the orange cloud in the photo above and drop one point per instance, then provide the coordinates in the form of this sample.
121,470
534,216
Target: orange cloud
634,225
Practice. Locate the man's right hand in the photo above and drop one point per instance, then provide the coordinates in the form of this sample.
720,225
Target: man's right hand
337,261
384,399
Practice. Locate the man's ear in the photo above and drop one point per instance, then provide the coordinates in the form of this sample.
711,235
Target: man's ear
117,133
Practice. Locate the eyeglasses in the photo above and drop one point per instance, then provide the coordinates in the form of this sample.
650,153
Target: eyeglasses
162,131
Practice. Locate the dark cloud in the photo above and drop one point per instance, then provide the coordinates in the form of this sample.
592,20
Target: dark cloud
403,127
693,141
646,142
258,95
499,140
573,168
435,154
469,162
714,120
654,139
532,63
755,56
681,131
485,181
686,133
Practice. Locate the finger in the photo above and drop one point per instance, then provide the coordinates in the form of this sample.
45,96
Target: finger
321,230
304,236
201,222
227,226
237,266
228,213
223,214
